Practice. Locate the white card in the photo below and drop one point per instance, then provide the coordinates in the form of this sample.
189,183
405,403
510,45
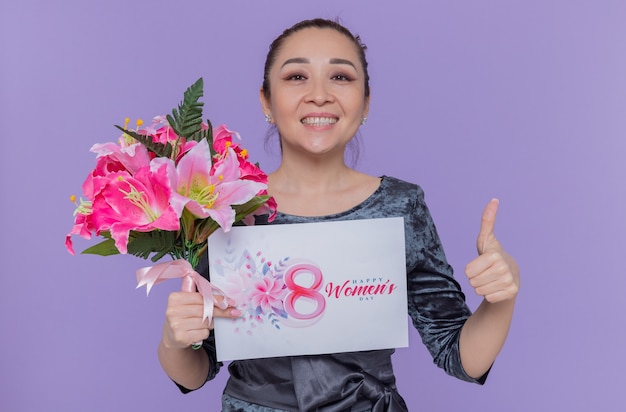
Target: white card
311,288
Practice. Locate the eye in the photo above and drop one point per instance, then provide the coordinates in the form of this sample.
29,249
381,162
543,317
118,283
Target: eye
296,77
342,77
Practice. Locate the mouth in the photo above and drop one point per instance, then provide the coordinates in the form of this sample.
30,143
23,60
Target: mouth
319,121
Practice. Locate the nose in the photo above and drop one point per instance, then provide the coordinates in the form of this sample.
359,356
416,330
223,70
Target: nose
319,92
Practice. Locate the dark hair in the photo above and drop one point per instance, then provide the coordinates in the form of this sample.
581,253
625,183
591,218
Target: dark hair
319,24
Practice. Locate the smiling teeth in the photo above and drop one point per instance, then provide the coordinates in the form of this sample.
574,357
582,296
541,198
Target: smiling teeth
319,121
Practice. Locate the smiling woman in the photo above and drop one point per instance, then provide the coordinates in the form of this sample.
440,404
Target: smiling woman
316,96
316,92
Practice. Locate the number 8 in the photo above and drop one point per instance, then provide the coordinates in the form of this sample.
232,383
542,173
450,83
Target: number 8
300,292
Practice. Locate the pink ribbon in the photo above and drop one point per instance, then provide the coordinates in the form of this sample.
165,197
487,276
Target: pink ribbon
152,275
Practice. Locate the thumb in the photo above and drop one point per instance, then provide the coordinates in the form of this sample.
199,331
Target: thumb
487,225
188,285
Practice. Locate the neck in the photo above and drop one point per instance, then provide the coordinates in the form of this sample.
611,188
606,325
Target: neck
310,176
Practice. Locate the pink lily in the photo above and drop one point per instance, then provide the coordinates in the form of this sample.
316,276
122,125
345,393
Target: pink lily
208,191
83,225
132,157
223,139
139,203
160,131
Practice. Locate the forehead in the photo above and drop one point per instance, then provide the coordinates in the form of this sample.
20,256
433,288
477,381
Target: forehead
318,44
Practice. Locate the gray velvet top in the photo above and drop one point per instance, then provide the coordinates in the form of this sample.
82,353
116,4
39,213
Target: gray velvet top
362,381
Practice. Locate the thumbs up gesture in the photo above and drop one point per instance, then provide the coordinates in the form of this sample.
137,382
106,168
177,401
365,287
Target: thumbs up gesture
493,274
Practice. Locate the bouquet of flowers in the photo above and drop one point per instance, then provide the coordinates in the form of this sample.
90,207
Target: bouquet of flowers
163,189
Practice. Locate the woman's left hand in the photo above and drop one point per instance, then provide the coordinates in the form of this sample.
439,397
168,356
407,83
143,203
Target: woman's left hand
494,274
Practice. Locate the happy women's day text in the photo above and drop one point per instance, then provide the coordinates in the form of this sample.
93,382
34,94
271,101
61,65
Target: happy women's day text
365,289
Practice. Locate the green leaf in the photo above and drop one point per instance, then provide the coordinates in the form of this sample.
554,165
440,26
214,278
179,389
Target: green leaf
209,137
104,248
161,150
160,242
205,134
241,211
186,120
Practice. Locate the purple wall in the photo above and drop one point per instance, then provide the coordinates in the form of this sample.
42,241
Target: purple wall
523,100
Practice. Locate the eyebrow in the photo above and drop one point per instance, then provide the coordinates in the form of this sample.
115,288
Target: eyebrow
302,60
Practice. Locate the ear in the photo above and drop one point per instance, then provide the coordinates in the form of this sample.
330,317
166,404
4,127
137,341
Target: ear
265,104
366,109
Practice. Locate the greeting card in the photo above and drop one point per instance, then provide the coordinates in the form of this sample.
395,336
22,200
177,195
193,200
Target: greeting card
311,288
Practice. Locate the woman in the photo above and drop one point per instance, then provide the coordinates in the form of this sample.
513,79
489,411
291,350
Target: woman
316,93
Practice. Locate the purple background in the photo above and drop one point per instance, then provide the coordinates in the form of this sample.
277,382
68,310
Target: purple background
523,100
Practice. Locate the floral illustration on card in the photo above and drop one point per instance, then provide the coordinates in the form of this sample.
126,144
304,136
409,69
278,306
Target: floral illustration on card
284,293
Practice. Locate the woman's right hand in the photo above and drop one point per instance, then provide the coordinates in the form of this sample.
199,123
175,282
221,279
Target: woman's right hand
183,319
184,326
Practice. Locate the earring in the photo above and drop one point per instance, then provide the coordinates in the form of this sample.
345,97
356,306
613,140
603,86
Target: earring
268,118
364,120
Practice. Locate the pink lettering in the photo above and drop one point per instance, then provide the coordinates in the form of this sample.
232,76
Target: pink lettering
344,290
